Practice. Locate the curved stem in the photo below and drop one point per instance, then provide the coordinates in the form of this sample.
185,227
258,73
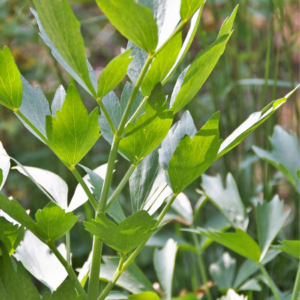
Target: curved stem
270,281
297,285
69,269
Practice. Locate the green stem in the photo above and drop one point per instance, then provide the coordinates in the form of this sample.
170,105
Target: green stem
107,116
270,281
138,111
120,187
297,285
85,188
69,269
68,244
164,211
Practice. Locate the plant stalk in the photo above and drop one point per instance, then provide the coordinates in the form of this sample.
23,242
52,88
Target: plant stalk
107,116
68,244
296,285
270,281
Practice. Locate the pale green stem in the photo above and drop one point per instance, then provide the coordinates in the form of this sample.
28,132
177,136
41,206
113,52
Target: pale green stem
68,244
107,116
270,281
138,111
297,285
69,270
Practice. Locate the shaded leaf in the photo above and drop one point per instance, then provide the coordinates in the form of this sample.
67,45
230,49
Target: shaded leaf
164,265
113,73
60,30
201,67
251,124
41,262
126,236
193,157
11,235
141,30
227,199
4,165
144,296
72,133
12,276
149,129
290,247
285,155
10,81
188,7
250,285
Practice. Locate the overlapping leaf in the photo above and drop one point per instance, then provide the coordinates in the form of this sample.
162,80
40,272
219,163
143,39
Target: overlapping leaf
72,133
188,7
290,247
60,30
140,29
4,165
125,236
10,81
285,155
149,129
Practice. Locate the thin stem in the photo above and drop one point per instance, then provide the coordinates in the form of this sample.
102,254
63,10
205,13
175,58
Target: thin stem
270,281
120,187
69,269
297,285
68,244
85,188
138,111
107,116
164,211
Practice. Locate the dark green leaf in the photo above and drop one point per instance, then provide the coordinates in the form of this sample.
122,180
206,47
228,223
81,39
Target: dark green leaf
11,235
60,30
10,81
149,129
126,236
144,296
290,247
53,222
269,220
227,199
113,73
133,20
285,155
188,7
194,77
15,283
161,65
164,264
193,157
72,133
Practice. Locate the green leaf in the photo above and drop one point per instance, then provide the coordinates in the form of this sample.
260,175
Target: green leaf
192,79
142,179
10,81
227,199
11,235
250,285
4,165
113,73
132,279
190,296
193,157
126,236
223,271
37,258
251,124
72,133
66,291
238,241
140,29
232,295
53,222
60,30
269,220
161,65
58,100
15,283
290,247
285,155
144,296
149,129
188,7
164,265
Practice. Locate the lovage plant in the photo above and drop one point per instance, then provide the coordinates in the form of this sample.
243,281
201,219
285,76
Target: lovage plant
164,159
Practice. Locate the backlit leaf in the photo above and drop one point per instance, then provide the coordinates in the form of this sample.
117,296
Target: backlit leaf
144,296
188,7
290,247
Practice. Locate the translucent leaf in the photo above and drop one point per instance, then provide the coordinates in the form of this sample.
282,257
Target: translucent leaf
290,247
144,296
285,155
188,7
4,165
10,81
38,259
164,264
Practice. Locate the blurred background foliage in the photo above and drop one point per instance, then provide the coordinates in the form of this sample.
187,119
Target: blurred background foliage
260,64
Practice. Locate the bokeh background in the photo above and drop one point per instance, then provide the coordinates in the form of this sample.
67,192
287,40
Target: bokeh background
260,64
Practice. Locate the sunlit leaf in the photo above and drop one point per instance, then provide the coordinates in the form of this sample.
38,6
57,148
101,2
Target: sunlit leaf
58,100
144,296
188,7
10,81
4,165
290,247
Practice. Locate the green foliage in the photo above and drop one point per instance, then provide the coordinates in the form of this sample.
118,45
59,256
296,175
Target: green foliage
290,247
285,155
65,292
125,236
149,129
188,7
11,235
73,132
140,29
10,83
144,296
